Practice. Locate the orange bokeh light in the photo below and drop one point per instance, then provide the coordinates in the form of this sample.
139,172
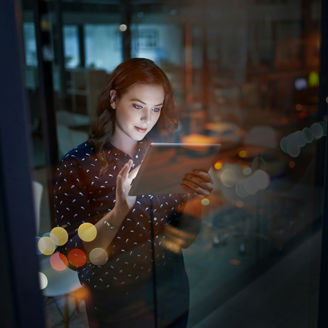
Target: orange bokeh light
235,262
77,257
218,165
58,261
291,164
299,107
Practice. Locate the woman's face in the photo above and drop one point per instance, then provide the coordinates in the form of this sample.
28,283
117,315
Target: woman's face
137,111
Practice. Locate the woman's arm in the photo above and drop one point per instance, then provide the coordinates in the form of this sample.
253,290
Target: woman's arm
109,225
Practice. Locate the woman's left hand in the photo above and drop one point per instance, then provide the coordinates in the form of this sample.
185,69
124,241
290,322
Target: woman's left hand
198,182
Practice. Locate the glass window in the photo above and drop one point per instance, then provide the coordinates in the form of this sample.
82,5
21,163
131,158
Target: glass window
103,46
71,46
244,75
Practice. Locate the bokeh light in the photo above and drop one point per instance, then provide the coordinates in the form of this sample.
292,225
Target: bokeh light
291,164
87,231
218,165
43,280
59,235
37,245
240,190
205,201
316,130
123,27
58,261
261,179
229,176
283,144
46,245
235,262
308,135
77,257
98,256
300,83
299,107
313,79
246,170
239,203
243,154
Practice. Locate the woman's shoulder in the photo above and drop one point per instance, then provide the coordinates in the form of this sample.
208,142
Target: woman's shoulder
80,152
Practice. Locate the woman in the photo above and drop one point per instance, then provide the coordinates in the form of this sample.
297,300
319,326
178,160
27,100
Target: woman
133,278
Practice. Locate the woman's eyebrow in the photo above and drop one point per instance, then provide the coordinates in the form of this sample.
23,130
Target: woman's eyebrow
136,99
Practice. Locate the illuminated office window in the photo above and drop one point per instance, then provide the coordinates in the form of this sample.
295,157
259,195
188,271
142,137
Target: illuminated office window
103,46
71,46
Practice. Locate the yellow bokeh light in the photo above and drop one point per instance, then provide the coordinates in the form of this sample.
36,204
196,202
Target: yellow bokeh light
313,79
87,232
243,153
59,235
46,245
218,165
98,256
43,280
205,201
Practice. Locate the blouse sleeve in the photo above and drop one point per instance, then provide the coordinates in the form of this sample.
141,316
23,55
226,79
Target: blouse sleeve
70,202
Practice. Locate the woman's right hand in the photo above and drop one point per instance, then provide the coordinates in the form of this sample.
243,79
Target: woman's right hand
124,202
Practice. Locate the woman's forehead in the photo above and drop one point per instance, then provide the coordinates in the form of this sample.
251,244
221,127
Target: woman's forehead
147,93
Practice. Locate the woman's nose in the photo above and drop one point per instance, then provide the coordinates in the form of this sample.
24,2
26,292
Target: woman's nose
145,116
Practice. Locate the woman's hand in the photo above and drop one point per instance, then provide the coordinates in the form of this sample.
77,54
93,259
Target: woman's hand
198,183
124,202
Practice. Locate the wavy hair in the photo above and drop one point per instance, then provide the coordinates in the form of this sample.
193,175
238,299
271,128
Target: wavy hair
125,75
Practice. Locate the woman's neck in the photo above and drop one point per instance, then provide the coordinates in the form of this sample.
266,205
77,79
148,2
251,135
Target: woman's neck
128,146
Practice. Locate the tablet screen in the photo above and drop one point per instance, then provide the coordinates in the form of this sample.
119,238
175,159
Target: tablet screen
165,165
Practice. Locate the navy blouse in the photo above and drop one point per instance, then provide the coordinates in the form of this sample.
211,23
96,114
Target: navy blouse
83,194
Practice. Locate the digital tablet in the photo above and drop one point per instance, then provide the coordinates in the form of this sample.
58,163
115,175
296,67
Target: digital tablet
165,165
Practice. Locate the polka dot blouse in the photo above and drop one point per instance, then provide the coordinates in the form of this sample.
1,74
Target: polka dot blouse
84,193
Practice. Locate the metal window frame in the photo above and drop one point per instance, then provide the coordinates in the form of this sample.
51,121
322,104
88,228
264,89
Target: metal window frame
21,295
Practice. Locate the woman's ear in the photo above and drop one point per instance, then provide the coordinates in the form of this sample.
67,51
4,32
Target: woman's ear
112,98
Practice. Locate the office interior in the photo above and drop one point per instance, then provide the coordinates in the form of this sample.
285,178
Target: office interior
245,74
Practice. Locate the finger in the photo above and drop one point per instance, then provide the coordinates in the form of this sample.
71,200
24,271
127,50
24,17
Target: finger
125,169
119,185
195,188
134,172
188,189
202,174
199,182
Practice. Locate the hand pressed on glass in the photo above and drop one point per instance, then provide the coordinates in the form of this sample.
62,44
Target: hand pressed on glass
124,202
198,182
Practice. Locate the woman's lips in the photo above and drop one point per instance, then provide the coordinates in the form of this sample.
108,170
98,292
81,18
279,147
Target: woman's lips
142,130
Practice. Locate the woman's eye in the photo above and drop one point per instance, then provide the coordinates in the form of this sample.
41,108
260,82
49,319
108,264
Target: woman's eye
156,109
137,106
